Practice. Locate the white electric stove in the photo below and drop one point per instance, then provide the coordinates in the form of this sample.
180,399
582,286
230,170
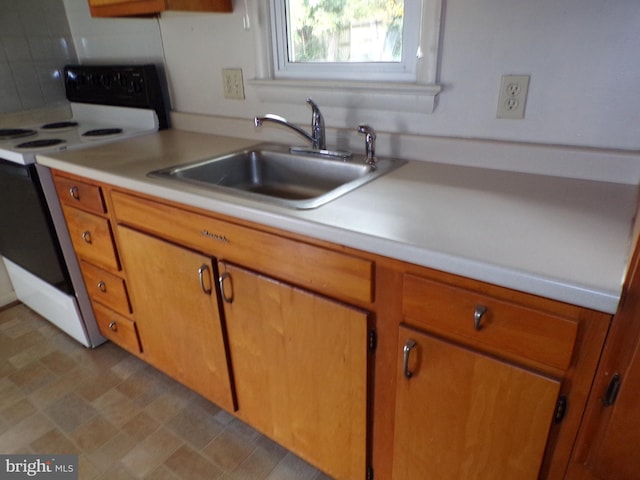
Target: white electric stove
108,104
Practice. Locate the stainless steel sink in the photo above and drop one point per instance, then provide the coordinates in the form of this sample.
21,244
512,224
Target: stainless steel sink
270,173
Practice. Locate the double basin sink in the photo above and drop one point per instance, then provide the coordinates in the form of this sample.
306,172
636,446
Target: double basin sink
271,173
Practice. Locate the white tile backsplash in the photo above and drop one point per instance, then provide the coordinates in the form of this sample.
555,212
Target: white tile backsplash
10,23
35,44
16,48
30,96
9,99
6,77
40,47
24,72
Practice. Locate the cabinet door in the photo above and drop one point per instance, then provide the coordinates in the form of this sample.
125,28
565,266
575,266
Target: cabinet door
176,311
300,369
615,452
465,415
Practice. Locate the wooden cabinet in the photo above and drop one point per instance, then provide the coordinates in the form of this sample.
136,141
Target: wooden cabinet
331,272
614,453
607,447
306,340
300,360
126,8
176,310
90,228
463,414
481,380
300,368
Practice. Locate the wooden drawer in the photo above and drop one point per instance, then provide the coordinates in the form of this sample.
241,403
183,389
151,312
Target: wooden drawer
118,329
503,327
106,288
92,238
333,273
80,194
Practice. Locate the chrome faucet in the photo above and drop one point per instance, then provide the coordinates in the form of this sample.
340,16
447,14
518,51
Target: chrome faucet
317,136
370,143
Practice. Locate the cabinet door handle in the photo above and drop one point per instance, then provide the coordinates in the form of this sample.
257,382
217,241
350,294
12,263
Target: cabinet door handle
86,236
477,316
102,286
221,281
613,389
206,290
408,346
74,192
113,326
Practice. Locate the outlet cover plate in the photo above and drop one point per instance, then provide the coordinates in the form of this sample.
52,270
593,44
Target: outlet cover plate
232,83
513,96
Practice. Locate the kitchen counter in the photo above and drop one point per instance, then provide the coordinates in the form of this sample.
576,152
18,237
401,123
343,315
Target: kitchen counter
560,238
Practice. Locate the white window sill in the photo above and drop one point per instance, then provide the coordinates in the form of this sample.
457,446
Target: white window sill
395,97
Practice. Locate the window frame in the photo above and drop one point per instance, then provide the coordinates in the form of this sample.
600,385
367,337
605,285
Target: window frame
402,71
417,95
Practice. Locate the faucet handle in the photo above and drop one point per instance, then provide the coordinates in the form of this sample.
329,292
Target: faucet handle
370,143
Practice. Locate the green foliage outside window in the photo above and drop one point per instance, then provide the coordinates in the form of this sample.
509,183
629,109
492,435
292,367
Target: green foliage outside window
345,30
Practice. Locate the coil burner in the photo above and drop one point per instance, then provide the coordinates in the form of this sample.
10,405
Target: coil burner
102,132
42,143
59,125
12,133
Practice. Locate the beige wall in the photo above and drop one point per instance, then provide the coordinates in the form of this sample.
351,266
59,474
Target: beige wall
578,52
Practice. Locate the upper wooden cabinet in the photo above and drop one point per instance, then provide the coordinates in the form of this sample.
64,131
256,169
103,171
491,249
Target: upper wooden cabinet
128,8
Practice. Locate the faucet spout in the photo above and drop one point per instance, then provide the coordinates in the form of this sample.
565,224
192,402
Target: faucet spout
317,136
269,117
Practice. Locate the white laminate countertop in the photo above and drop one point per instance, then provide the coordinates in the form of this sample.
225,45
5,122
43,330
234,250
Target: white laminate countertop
561,238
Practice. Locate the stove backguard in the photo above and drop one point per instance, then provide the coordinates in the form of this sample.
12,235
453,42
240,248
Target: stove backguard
138,86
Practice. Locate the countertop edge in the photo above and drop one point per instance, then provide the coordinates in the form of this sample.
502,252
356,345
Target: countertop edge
555,289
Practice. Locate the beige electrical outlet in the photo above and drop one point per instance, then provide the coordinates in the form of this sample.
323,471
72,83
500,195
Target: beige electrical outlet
232,83
513,96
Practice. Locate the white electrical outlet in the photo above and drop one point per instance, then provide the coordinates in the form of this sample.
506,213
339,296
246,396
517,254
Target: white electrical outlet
232,83
513,96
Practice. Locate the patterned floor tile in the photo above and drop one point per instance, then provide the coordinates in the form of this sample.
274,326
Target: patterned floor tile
125,420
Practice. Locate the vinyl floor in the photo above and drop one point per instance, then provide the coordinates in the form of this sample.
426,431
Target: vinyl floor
122,417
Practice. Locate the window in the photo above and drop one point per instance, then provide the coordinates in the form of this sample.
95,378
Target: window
350,54
346,39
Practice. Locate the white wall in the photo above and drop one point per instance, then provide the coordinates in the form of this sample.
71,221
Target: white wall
113,39
581,55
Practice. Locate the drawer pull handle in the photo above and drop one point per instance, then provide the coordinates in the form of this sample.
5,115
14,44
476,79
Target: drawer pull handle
113,326
102,286
74,192
477,316
408,346
221,282
86,236
206,290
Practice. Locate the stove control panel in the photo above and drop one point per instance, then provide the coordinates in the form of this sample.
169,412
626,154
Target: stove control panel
137,86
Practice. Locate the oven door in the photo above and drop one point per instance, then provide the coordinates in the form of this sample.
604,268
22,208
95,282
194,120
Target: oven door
27,235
